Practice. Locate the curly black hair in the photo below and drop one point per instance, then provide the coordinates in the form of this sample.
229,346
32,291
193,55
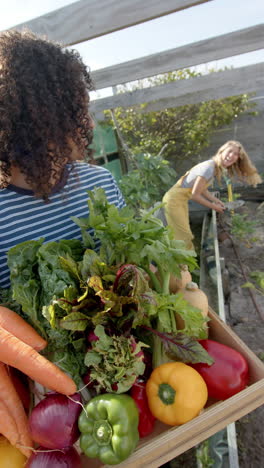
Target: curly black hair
43,109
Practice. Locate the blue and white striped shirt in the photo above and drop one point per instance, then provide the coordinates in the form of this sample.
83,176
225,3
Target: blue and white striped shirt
24,217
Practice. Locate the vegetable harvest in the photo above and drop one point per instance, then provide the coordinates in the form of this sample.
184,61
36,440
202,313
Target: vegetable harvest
109,428
103,329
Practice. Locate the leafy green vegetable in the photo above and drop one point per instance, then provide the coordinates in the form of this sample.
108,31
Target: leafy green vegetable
142,240
183,348
66,287
114,361
23,265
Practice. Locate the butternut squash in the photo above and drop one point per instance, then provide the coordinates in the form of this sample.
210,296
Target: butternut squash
179,283
196,297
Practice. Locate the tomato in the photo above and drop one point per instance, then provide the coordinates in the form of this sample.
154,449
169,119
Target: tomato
228,375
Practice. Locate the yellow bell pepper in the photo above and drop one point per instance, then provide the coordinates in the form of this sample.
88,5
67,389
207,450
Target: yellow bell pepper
10,456
176,393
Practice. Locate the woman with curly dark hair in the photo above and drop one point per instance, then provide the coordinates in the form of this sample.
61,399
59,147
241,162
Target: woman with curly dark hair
45,133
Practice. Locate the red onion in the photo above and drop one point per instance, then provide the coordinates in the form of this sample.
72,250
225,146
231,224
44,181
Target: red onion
68,458
53,422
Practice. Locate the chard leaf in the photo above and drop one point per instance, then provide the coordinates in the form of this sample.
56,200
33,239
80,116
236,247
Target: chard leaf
146,309
93,265
183,348
75,321
83,296
95,283
50,315
130,281
70,294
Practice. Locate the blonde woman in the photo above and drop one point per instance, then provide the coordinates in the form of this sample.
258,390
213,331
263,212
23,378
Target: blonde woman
193,185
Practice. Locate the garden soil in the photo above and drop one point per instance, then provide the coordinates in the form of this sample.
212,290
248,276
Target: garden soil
246,314
243,253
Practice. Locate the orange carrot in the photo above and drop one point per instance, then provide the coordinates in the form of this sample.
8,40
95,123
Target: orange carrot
14,406
13,323
18,354
8,427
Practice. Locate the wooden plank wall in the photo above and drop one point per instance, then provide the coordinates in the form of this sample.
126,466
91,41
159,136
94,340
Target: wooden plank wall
215,48
194,90
84,20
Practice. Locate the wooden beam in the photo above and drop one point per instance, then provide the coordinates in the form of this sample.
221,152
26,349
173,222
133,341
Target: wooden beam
215,48
193,90
84,20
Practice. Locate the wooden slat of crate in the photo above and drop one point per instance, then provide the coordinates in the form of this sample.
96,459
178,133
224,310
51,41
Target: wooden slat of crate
166,443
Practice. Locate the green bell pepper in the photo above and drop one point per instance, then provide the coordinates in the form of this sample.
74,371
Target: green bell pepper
109,428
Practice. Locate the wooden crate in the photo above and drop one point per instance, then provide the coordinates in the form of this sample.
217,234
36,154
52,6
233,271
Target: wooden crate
166,442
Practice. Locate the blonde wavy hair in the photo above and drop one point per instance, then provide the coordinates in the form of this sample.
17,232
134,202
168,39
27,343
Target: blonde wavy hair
242,168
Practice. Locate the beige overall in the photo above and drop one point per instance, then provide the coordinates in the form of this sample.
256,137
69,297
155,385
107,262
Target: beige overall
177,212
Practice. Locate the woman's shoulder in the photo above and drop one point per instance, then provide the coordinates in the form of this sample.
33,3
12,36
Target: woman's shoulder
204,169
83,169
83,166
204,165
208,163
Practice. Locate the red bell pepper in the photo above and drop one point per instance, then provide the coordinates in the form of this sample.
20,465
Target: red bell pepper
146,419
228,375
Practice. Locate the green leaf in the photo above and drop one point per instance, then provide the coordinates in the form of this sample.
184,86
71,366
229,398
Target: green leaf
182,348
75,321
92,358
248,285
69,265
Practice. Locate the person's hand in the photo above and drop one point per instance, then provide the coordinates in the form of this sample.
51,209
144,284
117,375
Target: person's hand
219,202
219,208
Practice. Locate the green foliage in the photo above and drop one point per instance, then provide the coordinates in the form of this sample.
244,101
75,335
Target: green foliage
114,360
186,130
145,185
258,277
203,457
241,228
180,133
